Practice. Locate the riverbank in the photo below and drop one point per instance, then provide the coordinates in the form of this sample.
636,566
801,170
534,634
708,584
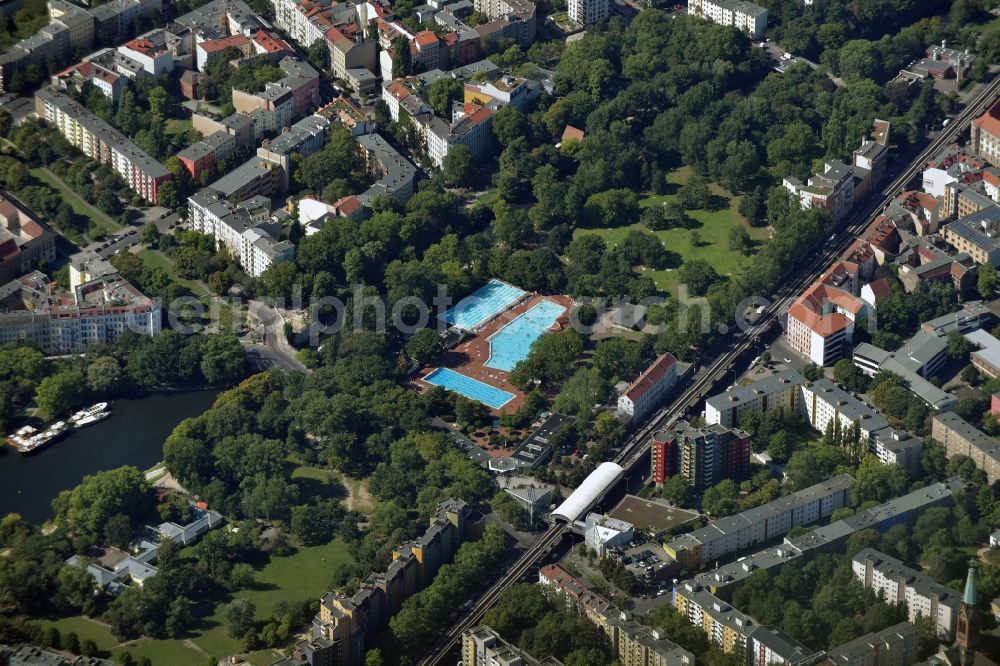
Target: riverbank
134,435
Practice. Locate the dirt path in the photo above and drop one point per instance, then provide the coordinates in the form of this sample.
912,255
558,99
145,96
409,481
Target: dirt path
358,498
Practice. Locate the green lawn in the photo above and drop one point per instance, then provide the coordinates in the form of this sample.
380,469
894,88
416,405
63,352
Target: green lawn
102,224
714,231
177,126
157,260
304,575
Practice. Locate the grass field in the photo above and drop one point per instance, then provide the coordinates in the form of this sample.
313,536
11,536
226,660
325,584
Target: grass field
157,260
714,231
102,223
304,575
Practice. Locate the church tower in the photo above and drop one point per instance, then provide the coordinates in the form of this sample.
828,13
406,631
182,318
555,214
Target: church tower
967,629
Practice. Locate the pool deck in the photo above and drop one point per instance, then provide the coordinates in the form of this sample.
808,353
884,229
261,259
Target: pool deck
470,356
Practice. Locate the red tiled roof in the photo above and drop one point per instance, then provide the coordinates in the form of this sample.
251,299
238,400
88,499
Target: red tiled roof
426,38
213,45
992,177
348,205
32,228
653,374
880,288
572,134
808,309
990,121
398,90
270,43
476,113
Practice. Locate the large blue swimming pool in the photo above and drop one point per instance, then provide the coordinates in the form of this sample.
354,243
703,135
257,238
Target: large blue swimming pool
469,387
511,344
483,304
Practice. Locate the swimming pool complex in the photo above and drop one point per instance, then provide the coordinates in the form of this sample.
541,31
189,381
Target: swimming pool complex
511,343
469,387
482,305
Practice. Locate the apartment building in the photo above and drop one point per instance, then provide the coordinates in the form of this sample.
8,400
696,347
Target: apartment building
102,143
724,626
24,240
509,19
985,135
960,437
204,155
115,21
735,533
777,391
724,580
304,138
107,70
833,189
248,230
635,644
894,646
98,311
500,92
154,50
585,12
977,236
821,322
899,584
703,456
283,101
396,175
69,28
481,646
649,390
471,126
208,50
342,26
744,16
348,620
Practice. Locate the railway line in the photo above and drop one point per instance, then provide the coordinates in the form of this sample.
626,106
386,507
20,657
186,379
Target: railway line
694,388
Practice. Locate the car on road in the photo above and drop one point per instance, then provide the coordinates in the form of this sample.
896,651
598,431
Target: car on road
787,360
164,214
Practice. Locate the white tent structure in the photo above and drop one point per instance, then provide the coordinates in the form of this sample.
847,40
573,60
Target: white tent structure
589,492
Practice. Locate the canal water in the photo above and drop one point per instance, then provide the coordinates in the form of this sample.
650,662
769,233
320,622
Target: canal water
132,435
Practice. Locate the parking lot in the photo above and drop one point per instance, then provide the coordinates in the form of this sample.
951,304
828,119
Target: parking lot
116,244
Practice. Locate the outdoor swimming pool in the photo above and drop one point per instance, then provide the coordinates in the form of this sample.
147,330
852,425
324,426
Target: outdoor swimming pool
469,387
483,304
511,343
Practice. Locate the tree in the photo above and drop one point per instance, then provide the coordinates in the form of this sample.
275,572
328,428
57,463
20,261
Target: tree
102,495
71,643
877,482
150,234
989,281
426,344
849,376
103,374
402,61
239,615
678,491
60,392
698,275
958,346
739,239
458,168
441,94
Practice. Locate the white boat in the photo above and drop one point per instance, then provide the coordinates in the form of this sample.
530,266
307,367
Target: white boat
89,411
21,437
91,419
41,439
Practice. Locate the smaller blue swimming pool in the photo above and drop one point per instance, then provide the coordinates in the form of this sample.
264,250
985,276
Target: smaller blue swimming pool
471,388
511,344
483,304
